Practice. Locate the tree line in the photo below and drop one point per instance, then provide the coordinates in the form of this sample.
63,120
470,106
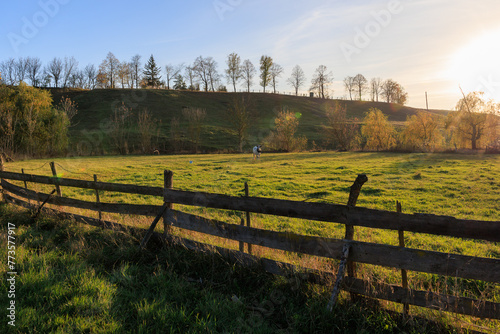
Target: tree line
202,74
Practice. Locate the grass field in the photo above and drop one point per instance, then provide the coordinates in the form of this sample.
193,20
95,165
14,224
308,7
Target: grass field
464,186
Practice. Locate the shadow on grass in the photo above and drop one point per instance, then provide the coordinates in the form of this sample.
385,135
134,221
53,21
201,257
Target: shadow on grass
76,279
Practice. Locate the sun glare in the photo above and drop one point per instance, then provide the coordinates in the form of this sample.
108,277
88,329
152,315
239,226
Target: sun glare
476,66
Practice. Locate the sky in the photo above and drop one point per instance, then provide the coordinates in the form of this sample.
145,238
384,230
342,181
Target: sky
433,46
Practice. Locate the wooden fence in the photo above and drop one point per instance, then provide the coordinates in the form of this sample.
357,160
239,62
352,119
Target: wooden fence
401,257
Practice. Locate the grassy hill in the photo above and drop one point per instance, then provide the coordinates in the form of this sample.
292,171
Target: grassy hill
96,107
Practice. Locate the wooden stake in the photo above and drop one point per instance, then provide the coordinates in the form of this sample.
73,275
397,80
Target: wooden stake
248,218
54,173
168,183
26,186
349,229
340,277
404,276
97,199
149,233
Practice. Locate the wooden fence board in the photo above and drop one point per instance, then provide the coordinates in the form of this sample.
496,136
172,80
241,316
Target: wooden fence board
130,209
384,255
357,216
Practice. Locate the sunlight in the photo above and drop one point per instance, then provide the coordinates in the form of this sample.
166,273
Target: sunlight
476,66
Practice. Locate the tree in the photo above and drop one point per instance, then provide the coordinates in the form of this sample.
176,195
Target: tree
191,76
120,128
283,137
349,85
179,83
21,68
109,68
471,117
213,75
69,68
379,133
172,72
34,66
421,132
194,118
359,83
393,92
90,73
320,81
265,71
248,72
7,68
136,73
200,68
55,68
148,127
375,88
152,73
297,79
239,114
275,71
233,71
340,131
124,73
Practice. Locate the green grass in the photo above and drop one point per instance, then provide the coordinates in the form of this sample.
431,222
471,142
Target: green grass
464,186
77,279
96,107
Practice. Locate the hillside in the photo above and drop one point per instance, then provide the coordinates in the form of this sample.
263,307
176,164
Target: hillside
96,107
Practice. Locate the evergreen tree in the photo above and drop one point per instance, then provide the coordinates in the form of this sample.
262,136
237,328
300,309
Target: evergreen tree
152,73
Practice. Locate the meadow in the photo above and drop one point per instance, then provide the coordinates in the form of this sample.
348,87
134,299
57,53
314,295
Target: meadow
463,186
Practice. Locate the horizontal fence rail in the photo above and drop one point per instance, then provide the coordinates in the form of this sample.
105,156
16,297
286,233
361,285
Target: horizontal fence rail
454,265
343,214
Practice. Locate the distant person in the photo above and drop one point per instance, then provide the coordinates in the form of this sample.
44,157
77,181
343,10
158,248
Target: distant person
257,150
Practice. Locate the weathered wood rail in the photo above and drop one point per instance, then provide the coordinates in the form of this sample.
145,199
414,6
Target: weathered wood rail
454,265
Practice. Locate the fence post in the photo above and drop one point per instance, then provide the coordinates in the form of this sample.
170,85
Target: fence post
349,229
168,183
54,173
98,199
404,276
242,244
248,218
2,198
25,185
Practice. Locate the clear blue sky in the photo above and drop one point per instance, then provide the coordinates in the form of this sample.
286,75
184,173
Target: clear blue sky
426,45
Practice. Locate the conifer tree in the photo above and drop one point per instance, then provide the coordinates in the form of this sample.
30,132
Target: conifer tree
152,73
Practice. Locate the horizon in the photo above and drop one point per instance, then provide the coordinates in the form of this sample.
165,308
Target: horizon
434,46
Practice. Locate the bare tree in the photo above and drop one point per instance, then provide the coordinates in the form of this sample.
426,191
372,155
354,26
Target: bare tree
233,71
393,92
34,68
148,127
194,117
124,73
266,63
55,68
248,72
340,131
240,114
349,85
200,68
213,75
322,78
8,69
375,88
172,72
109,67
136,72
69,68
90,73
21,69
275,71
191,76
297,79
360,85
